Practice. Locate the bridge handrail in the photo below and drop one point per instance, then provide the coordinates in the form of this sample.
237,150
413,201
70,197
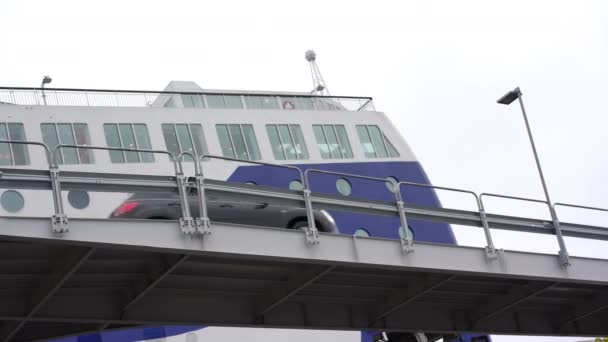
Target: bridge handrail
490,249
55,186
559,204
177,166
312,234
36,143
406,238
577,206
60,222
525,199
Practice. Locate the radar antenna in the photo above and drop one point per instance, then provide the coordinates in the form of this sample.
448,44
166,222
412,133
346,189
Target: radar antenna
320,88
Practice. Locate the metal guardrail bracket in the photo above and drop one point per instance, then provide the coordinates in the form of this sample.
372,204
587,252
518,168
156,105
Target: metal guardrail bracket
187,225
491,253
311,231
407,241
59,223
202,225
564,258
407,245
312,235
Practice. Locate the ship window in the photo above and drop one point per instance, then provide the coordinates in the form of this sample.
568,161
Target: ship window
332,141
12,201
344,187
13,154
54,134
302,103
287,142
224,101
79,199
296,185
238,141
193,101
126,135
375,143
184,138
362,232
322,103
261,102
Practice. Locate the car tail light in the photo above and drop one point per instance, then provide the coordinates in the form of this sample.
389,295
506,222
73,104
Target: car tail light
125,208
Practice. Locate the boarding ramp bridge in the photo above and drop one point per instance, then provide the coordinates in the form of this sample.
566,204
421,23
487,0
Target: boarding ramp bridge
61,276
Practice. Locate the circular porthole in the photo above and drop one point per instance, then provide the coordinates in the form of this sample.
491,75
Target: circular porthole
408,229
391,184
361,232
79,199
344,187
12,201
295,185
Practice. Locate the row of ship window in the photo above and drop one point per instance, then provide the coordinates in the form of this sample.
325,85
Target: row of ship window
236,141
225,101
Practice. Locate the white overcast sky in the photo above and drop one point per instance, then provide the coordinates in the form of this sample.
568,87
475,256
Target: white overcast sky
435,67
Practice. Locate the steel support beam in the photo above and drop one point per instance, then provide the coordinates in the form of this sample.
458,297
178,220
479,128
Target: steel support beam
60,274
586,310
251,242
296,283
167,270
192,311
400,300
512,298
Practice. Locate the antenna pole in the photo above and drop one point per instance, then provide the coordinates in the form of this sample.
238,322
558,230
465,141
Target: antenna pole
318,83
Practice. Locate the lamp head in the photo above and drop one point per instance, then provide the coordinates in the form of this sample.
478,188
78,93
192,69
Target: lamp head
46,80
509,97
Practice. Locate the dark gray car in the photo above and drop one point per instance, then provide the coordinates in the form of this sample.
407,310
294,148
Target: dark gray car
229,210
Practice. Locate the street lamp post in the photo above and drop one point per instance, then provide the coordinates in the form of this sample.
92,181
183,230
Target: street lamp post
507,99
45,80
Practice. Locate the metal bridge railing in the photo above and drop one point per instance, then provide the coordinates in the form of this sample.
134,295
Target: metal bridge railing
201,225
563,251
490,249
173,99
406,239
312,234
60,220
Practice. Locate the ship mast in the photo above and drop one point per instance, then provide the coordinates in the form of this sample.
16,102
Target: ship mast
319,86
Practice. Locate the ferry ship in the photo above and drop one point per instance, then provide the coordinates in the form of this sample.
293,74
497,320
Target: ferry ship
342,134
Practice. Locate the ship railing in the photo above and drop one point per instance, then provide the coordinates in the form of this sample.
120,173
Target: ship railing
172,99
310,200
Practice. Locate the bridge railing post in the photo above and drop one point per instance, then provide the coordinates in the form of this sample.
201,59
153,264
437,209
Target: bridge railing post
185,221
490,249
564,255
407,240
312,235
202,223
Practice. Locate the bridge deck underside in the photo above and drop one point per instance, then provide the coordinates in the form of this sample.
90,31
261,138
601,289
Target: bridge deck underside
94,278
